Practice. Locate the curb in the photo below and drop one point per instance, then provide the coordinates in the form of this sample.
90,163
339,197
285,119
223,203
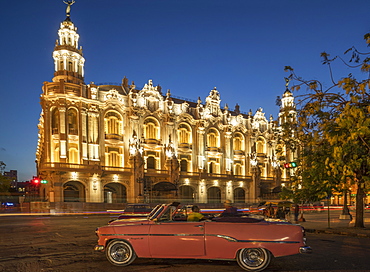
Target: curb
338,232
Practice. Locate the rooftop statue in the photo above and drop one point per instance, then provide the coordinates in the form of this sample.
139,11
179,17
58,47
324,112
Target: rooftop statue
69,4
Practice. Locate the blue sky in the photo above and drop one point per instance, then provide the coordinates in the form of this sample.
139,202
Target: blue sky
189,47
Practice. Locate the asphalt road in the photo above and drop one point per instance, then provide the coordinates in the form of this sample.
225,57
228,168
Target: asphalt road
65,243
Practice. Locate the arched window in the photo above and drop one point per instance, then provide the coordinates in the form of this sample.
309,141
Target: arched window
238,142
239,195
214,168
70,66
184,165
184,134
150,163
151,129
238,169
213,139
55,121
115,193
261,146
72,122
55,153
73,154
114,157
113,123
74,191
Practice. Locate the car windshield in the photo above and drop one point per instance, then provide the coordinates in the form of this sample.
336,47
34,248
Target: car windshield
155,212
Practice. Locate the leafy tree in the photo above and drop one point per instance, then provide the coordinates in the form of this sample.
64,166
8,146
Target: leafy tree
4,184
336,125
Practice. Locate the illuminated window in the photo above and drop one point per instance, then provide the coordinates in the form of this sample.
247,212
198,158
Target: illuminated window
55,121
238,169
72,122
114,159
184,134
260,146
238,142
73,154
113,123
55,153
113,156
213,139
151,129
214,167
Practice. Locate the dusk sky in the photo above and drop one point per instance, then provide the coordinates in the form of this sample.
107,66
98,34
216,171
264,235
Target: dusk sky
189,47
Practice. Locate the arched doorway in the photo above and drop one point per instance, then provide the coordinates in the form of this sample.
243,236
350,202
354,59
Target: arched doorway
186,194
239,195
214,195
164,192
115,193
74,191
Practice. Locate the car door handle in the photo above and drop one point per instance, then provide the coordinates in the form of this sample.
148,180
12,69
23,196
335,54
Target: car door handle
198,226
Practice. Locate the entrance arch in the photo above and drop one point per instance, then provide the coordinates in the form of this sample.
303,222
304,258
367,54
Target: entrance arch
73,191
186,194
115,193
214,195
239,195
164,192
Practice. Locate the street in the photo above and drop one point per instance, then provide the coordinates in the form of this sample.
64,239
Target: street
65,243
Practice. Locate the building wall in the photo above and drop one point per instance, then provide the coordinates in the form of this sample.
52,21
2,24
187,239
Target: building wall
119,143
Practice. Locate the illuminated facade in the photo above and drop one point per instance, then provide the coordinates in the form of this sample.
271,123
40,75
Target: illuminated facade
121,143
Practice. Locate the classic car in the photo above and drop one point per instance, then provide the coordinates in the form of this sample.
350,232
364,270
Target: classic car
135,210
165,233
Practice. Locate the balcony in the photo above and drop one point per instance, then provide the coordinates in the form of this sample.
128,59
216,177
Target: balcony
185,146
152,141
213,149
114,137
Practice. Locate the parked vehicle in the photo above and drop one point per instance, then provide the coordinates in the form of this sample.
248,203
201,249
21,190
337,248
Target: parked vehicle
250,241
135,210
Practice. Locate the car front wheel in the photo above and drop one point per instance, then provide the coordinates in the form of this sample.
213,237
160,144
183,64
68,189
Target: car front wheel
120,253
253,259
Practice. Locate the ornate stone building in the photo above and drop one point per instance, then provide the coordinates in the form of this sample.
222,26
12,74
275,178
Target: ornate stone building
121,143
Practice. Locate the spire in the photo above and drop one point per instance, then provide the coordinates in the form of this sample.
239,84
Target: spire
287,107
68,58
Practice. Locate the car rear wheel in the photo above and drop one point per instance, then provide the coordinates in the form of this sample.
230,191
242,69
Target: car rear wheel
253,259
120,253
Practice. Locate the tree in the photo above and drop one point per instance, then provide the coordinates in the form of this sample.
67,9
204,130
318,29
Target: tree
4,181
337,120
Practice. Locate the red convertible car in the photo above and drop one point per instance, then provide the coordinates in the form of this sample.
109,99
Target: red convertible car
165,233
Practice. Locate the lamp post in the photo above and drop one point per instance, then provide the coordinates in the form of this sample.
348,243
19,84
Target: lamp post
140,180
255,173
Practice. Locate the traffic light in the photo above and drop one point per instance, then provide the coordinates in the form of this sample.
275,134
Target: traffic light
290,165
44,181
35,181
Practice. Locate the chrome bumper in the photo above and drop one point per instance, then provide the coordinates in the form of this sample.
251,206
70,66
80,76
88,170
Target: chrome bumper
305,250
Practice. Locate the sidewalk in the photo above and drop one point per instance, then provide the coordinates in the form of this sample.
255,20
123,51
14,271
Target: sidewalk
317,222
